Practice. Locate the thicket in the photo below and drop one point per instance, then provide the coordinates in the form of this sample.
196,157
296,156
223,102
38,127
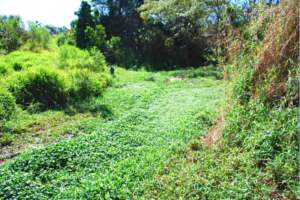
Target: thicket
14,36
39,37
256,154
12,33
28,79
7,104
151,34
263,72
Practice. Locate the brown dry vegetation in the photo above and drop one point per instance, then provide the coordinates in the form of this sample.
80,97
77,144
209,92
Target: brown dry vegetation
271,42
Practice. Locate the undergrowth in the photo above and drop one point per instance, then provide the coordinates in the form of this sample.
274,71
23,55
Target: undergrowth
116,156
257,153
33,84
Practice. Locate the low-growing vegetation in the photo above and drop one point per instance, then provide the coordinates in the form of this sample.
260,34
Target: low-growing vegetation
118,107
32,83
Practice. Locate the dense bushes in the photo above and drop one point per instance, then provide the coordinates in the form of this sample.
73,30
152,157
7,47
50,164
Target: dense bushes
49,87
12,34
7,104
264,65
34,79
72,57
85,84
39,38
65,37
263,119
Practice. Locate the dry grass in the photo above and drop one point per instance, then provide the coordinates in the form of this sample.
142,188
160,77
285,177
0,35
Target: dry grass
272,51
214,133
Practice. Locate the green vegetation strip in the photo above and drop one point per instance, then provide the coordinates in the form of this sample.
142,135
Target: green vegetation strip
120,158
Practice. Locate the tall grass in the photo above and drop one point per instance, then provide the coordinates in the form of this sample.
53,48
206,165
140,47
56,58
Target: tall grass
256,155
49,87
7,104
264,60
72,57
263,119
51,79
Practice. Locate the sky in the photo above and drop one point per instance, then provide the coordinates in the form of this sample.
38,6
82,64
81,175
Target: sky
54,12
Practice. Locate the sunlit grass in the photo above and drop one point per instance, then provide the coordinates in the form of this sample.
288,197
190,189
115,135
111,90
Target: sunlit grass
116,153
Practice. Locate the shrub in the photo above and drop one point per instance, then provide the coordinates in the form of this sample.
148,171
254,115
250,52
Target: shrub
99,62
39,37
61,39
3,68
7,104
46,86
11,34
267,60
72,57
86,84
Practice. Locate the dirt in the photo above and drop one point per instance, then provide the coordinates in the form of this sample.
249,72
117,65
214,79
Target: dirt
214,133
8,157
173,78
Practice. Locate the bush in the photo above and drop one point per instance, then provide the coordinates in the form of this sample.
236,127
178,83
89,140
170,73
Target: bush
86,84
7,104
3,68
11,34
39,38
99,62
72,57
49,87
61,39
264,61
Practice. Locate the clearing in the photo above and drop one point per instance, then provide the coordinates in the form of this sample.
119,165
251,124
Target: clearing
153,117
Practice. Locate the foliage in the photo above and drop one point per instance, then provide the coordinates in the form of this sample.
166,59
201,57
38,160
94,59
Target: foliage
97,37
268,59
61,39
12,34
7,104
39,37
257,154
72,57
85,20
116,158
35,79
49,87
193,27
86,84
113,50
66,37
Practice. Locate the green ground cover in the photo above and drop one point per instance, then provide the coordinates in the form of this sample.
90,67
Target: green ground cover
116,153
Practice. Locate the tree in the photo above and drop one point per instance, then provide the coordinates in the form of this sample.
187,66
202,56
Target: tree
85,19
194,24
96,37
12,34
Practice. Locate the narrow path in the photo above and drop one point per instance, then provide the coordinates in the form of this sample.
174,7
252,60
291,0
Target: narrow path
119,159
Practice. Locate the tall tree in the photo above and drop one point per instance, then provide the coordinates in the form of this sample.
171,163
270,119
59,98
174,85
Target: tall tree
194,24
12,33
85,19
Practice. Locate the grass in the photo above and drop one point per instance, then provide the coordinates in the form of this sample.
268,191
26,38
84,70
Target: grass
43,102
143,139
115,154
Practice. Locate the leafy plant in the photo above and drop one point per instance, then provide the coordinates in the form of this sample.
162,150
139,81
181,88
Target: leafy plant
7,104
39,37
46,86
